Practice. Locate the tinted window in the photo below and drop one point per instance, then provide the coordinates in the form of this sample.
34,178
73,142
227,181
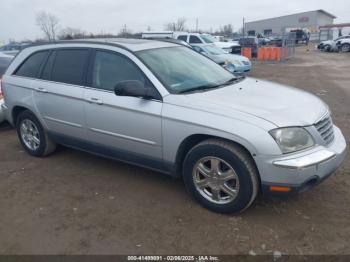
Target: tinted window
4,63
69,66
31,66
110,69
46,74
194,40
183,38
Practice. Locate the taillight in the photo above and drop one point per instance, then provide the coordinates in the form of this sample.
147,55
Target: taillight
1,95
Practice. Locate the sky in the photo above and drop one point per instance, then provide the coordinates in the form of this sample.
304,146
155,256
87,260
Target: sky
17,17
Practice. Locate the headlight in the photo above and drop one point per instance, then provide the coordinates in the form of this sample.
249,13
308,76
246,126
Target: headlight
292,139
235,62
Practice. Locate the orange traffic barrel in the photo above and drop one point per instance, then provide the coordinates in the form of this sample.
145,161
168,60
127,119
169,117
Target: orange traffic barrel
247,52
273,54
267,53
278,53
261,53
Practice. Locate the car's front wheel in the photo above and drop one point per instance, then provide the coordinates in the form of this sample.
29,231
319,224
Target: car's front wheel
327,48
32,135
221,176
345,48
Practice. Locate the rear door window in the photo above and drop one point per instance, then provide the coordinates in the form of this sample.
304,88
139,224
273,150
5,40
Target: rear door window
69,66
31,66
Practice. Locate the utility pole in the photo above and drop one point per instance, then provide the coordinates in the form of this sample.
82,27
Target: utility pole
243,30
197,25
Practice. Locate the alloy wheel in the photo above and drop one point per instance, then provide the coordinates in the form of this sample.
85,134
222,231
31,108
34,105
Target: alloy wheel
215,180
30,134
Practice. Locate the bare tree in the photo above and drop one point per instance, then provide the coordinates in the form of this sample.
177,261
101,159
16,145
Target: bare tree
71,33
48,23
176,26
228,30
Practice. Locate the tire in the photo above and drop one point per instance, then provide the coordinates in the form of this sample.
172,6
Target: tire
204,188
33,136
345,48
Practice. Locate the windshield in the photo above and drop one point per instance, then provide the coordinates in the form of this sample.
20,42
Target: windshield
208,39
182,70
213,50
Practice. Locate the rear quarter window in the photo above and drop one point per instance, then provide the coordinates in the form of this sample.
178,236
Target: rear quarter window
69,66
31,66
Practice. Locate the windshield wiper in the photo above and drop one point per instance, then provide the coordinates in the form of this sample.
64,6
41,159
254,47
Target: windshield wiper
212,86
199,88
230,81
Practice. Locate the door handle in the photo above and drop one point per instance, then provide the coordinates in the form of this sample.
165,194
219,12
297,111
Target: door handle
95,100
41,89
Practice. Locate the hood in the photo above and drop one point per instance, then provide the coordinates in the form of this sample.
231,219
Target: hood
232,58
226,44
328,42
281,105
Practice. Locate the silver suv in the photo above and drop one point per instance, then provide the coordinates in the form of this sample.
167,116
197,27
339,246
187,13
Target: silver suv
164,106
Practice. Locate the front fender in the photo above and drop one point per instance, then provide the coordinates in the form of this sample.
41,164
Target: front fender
180,123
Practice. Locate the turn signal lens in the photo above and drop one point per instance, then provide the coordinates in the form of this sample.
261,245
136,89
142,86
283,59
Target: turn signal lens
280,189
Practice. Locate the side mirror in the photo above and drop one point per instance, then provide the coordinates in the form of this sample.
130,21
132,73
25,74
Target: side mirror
135,88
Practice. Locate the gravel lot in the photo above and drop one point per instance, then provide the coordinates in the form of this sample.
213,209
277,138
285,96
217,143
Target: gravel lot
76,203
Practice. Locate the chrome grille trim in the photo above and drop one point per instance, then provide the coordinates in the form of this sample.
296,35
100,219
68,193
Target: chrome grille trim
325,129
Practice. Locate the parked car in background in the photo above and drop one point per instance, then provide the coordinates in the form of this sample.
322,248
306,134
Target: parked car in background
195,38
301,36
164,106
262,41
13,48
234,63
250,42
331,45
276,41
5,60
171,40
230,47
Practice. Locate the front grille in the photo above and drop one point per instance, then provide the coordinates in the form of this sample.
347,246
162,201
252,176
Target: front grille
325,129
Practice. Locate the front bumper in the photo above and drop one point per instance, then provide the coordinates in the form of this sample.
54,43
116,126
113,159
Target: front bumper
243,69
301,171
2,111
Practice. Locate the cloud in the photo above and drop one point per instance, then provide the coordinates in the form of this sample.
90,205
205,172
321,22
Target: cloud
17,19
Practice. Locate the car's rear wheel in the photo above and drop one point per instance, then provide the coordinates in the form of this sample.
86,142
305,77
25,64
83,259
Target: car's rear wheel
32,135
221,176
345,48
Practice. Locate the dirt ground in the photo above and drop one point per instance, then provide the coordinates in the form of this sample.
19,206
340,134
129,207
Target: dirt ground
76,203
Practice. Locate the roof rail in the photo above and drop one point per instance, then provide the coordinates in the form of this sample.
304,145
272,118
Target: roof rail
79,41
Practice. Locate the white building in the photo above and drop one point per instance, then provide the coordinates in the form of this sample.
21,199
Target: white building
310,21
